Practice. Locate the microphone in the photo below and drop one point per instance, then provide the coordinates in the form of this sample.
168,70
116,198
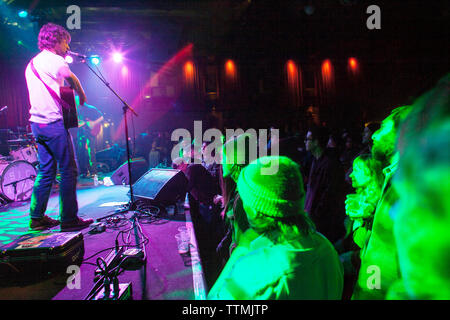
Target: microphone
3,108
79,55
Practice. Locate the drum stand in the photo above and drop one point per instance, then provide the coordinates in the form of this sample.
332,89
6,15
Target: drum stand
14,183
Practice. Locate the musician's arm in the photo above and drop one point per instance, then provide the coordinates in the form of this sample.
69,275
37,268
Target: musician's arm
74,83
94,123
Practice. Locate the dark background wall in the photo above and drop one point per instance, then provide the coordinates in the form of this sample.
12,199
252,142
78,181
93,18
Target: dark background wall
396,63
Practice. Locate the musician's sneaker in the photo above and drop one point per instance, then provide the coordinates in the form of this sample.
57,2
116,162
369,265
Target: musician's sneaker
43,223
76,225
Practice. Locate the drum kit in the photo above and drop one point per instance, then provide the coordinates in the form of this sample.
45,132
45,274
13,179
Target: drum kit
18,169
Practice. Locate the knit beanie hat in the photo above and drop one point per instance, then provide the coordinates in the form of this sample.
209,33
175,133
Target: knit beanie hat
279,194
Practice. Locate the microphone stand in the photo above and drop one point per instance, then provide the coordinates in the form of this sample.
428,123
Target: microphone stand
131,205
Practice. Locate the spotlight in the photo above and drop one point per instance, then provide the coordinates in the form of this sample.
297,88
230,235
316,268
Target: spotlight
353,63
68,59
230,66
23,13
117,57
95,60
291,66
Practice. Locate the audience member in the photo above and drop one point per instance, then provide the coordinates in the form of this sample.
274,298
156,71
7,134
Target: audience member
334,145
379,250
367,180
324,196
349,152
205,214
422,214
235,158
369,129
154,155
280,256
209,161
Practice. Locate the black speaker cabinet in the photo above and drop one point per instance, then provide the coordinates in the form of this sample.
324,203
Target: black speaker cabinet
163,186
138,168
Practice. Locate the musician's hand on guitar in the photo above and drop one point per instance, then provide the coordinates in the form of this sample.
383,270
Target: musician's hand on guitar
73,82
83,99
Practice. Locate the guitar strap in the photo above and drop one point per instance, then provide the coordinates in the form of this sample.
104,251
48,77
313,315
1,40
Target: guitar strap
52,92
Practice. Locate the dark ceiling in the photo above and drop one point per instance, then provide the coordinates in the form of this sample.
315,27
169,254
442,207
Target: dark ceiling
251,28
408,54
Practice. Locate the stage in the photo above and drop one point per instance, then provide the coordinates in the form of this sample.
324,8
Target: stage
167,274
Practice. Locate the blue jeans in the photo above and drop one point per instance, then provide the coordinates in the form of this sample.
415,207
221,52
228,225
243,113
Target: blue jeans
55,151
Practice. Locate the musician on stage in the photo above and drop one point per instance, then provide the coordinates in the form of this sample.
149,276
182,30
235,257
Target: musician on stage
90,121
45,74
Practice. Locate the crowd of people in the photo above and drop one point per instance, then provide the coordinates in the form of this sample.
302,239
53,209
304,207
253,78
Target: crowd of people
347,215
363,219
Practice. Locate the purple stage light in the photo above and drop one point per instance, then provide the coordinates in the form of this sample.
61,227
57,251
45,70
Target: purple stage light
117,57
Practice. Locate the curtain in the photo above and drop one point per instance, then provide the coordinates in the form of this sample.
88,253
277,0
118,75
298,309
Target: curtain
14,94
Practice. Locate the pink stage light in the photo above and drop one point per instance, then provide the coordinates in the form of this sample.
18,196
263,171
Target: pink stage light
117,57
124,71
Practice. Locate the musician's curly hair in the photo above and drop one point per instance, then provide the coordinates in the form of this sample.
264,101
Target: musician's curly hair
51,34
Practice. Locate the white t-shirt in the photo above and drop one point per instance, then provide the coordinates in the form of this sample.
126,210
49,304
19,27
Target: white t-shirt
44,109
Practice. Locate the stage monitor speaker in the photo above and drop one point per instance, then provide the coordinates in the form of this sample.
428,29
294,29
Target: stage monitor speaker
138,168
163,186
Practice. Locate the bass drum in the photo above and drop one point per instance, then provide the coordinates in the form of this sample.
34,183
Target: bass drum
17,181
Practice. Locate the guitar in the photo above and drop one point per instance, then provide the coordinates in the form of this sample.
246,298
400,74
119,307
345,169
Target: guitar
66,101
69,108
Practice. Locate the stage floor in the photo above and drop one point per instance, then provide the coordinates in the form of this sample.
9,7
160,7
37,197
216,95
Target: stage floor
167,274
